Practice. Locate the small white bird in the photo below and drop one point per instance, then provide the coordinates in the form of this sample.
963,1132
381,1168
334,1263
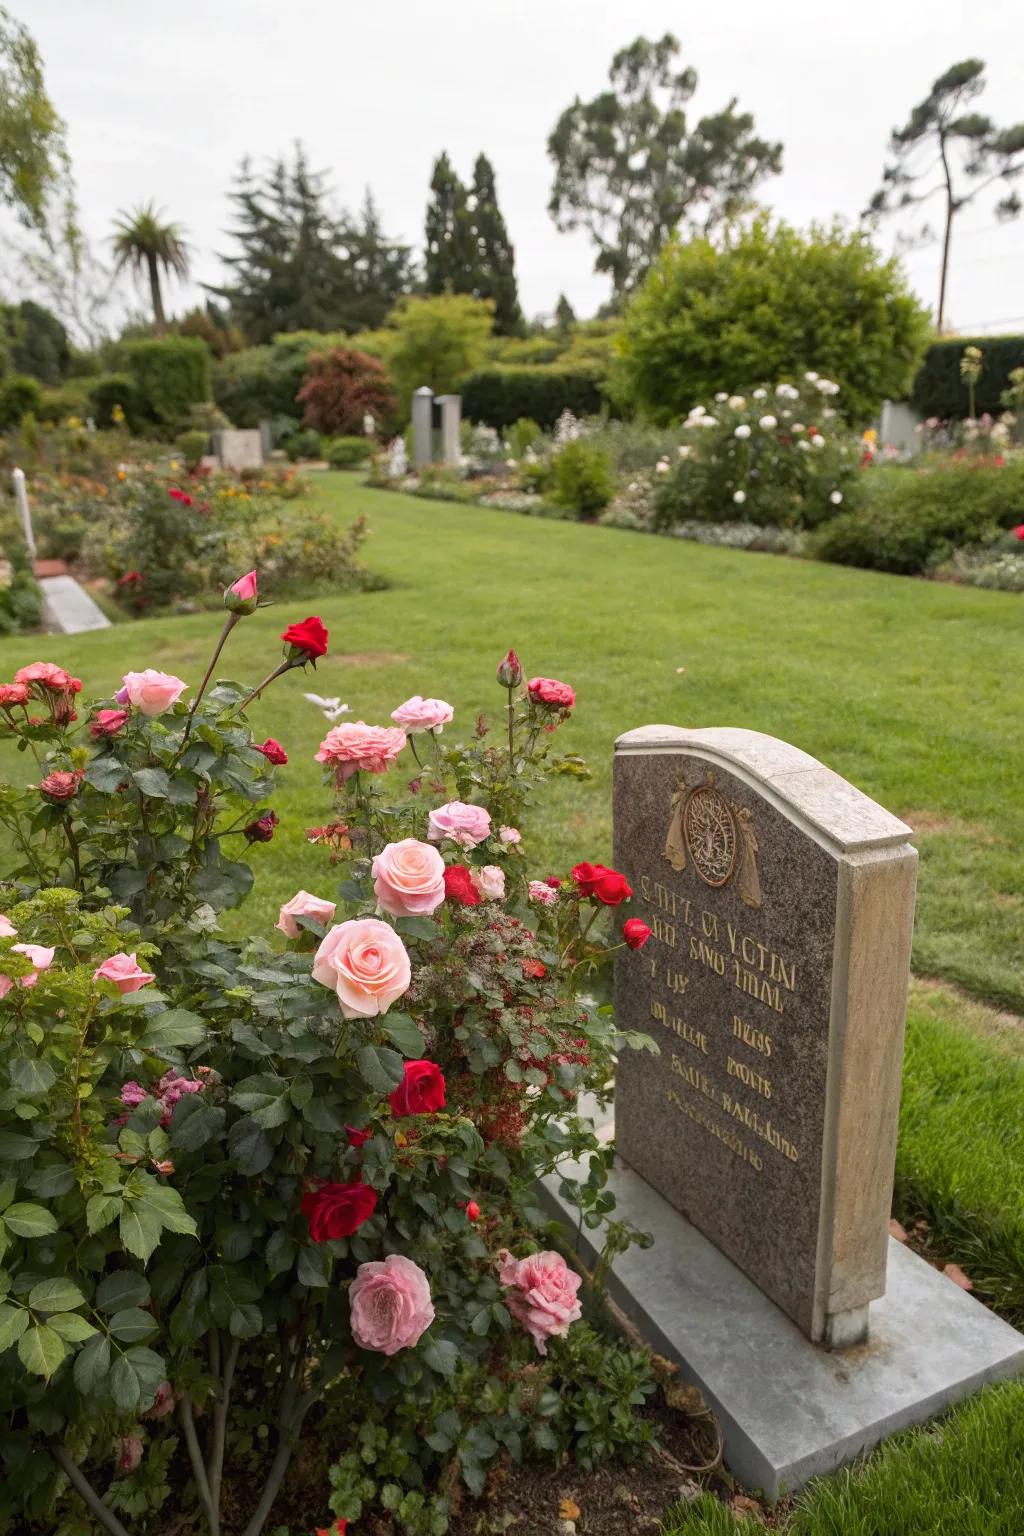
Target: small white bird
332,708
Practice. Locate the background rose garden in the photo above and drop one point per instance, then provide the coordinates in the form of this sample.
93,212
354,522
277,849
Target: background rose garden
244,1184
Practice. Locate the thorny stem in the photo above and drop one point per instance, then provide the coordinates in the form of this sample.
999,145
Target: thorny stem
286,666
583,932
229,624
73,845
511,733
76,1477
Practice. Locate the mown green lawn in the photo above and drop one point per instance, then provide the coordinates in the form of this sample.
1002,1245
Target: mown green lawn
912,690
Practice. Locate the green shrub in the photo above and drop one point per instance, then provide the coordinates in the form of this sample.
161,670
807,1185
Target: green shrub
305,444
171,374
438,341
779,459
20,396
192,445
771,304
21,604
348,452
500,396
70,399
582,477
939,390
116,389
522,434
918,518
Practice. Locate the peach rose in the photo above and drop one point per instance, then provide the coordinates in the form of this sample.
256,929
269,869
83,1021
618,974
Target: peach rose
390,1305
408,878
366,963
150,692
490,882
541,1294
357,746
125,972
466,825
303,904
419,714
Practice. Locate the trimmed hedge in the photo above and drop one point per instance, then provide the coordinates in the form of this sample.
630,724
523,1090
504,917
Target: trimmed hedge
20,395
260,383
171,374
940,391
112,389
498,397
920,516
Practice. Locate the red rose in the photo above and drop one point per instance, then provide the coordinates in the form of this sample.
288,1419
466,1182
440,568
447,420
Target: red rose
13,693
272,750
554,882
459,887
603,884
337,1210
108,722
551,693
182,496
472,1210
536,970
59,786
1018,532
307,640
262,829
421,1091
635,932
357,1138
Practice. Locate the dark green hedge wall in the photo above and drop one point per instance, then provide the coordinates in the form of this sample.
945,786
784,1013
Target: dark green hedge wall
500,396
940,391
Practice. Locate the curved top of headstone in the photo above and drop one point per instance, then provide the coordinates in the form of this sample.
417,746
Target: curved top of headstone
829,807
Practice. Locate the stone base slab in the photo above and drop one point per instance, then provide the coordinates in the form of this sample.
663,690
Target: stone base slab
790,1410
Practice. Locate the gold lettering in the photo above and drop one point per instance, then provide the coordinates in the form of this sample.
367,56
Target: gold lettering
664,931
755,1038
676,981
709,925
645,888
747,1075
699,1116
707,956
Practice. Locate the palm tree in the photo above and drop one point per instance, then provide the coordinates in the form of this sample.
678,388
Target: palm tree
144,242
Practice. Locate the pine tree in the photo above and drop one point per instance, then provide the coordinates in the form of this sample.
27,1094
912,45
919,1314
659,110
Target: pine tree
450,257
379,270
495,276
565,316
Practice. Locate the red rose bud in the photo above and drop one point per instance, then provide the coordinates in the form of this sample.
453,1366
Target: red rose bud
306,641
242,596
472,1210
59,786
550,693
272,750
262,829
107,722
510,671
421,1091
635,932
337,1210
602,884
554,882
459,887
356,1137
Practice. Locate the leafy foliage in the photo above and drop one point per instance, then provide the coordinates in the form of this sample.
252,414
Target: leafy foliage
501,396
771,303
467,248
631,171
939,390
341,388
581,477
170,376
438,341
33,152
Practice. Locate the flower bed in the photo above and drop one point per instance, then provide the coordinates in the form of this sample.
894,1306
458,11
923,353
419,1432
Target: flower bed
251,1187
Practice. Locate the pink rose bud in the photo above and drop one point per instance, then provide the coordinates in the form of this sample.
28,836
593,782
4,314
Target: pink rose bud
41,958
107,722
419,714
510,671
129,1453
125,972
490,882
509,836
242,597
59,786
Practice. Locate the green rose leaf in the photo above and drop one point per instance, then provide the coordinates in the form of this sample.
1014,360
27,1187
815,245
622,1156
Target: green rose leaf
27,1220
92,1365
105,774
380,1068
122,1288
441,1356
153,782
404,1033
140,1228
132,1325
72,1326
13,1322
173,1030
57,1295
40,1350
31,1076
250,1148
124,1386
100,1211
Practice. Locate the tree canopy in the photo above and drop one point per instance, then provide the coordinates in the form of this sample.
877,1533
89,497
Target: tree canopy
632,171
150,246
34,161
467,245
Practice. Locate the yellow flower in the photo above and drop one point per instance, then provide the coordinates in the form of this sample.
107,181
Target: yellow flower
175,464
870,436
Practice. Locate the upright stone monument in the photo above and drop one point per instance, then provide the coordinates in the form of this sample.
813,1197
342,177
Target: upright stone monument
451,420
423,427
758,1146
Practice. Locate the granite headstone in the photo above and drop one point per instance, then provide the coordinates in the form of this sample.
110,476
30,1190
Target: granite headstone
781,901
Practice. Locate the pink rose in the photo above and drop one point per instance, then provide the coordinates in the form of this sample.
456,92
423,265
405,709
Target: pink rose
419,714
550,693
303,904
125,972
490,882
40,957
466,825
133,1094
129,1453
7,928
540,1294
542,893
509,836
48,675
408,878
163,1402
150,692
390,1305
366,963
357,746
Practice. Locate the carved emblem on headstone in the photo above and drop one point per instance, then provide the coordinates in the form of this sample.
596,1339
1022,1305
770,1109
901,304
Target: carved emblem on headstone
716,835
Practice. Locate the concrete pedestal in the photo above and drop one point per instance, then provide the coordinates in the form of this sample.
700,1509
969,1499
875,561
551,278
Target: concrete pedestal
790,1410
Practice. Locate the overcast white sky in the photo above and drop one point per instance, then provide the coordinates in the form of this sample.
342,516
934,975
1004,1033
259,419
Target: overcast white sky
163,100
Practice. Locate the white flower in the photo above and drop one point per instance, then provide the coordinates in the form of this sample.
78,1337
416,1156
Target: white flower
810,377
836,497
798,426
705,421
721,396
332,708
787,392
697,410
737,402
742,430
539,891
739,497
827,386
684,450
767,423
828,413
662,466
760,394
804,445
817,441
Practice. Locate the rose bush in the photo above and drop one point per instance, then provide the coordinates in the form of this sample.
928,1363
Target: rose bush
243,1184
